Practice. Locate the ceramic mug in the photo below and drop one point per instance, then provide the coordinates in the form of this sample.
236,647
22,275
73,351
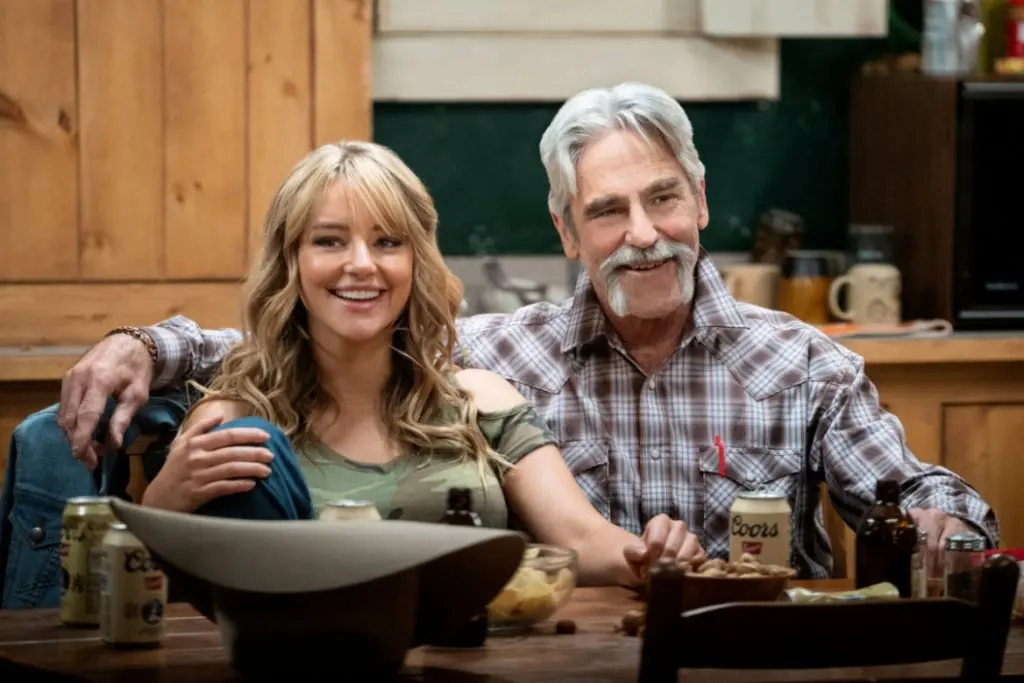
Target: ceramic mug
872,294
754,283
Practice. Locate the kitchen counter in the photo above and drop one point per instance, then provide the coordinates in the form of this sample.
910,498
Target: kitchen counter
36,364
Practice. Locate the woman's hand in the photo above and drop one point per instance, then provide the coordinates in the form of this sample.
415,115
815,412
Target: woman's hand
203,465
663,537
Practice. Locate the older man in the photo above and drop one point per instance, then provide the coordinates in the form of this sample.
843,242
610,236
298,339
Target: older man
648,366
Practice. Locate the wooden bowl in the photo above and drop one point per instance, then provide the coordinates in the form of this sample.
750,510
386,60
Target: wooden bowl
704,591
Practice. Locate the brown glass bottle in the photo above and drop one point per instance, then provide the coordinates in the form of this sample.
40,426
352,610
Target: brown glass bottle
460,513
886,541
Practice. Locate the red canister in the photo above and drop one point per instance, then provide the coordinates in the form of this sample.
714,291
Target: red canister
1015,28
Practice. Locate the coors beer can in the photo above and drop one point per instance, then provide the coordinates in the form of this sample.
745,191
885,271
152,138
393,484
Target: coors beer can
759,526
134,592
348,510
83,525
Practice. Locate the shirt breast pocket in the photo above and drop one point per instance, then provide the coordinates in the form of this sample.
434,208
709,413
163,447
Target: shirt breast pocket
773,470
588,462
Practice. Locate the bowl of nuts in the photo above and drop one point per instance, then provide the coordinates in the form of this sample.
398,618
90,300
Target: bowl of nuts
716,582
540,587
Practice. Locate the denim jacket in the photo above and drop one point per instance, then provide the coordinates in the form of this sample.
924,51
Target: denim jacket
42,474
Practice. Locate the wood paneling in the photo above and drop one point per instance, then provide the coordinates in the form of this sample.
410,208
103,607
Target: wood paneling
192,113
204,53
342,34
903,140
71,314
38,127
280,93
121,103
18,400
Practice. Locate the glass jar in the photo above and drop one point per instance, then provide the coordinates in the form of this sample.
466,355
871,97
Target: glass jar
779,232
919,567
869,243
965,554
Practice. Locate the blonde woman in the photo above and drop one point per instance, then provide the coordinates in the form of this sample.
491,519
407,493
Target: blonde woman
344,384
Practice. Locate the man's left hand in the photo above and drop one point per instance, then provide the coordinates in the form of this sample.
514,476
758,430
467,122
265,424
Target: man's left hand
939,526
664,537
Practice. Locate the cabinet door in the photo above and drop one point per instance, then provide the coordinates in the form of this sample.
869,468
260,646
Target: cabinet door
983,444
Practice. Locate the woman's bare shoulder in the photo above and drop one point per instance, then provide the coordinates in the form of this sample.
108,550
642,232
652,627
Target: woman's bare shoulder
491,391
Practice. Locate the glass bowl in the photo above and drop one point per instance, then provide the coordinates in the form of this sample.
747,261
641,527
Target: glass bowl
540,587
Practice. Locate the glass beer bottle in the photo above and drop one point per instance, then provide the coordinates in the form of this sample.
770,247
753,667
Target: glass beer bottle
886,541
460,513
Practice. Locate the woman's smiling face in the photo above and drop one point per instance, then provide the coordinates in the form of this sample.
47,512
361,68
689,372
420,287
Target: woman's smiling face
355,275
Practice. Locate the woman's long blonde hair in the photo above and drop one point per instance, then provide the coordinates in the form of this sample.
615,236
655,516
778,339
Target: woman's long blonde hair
273,371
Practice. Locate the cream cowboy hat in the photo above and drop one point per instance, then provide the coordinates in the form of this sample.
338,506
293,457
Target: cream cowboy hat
345,597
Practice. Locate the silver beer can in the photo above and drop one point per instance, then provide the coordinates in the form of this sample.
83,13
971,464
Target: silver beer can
84,523
133,594
346,510
759,526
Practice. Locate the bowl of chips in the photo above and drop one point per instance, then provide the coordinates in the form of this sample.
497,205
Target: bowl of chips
542,584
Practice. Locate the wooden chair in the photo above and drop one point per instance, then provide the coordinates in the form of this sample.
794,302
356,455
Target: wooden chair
780,635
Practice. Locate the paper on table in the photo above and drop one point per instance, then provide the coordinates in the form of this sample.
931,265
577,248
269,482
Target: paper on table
920,329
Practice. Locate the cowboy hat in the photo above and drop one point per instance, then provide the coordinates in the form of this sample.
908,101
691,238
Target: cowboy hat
344,597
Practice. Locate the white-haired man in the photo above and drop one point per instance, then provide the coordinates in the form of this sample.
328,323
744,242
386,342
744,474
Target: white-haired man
648,366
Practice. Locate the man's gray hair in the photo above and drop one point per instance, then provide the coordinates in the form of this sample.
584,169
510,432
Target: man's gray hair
636,107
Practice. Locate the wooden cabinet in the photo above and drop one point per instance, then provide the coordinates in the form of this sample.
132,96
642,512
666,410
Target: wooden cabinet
141,143
961,402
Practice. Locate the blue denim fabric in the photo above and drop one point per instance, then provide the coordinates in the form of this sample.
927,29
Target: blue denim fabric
283,495
42,474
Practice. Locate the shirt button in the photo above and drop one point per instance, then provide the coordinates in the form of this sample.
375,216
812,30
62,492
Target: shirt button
36,535
655,454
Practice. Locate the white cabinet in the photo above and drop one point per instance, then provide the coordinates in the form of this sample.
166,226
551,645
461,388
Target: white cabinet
547,50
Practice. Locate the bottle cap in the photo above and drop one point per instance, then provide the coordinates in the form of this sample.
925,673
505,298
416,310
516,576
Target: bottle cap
968,541
460,498
887,489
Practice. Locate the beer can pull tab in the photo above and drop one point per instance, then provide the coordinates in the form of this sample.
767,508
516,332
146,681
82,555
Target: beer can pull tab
721,455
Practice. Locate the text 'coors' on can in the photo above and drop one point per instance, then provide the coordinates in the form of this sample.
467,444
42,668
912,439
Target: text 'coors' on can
133,593
348,510
83,526
759,526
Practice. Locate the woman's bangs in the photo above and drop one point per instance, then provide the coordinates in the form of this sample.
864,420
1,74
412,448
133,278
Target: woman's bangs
380,194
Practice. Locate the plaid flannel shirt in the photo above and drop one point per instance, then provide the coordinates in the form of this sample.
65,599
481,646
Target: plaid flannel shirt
793,408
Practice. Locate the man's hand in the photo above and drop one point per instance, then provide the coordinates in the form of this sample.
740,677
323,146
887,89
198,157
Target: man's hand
118,366
939,526
663,537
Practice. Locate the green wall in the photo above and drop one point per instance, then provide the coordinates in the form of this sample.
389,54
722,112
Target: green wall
480,161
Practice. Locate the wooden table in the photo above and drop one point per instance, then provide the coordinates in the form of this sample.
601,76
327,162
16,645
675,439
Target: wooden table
192,652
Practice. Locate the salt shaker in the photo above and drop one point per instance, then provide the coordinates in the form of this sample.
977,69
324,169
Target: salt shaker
965,554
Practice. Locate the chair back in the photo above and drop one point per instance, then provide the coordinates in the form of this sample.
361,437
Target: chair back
781,635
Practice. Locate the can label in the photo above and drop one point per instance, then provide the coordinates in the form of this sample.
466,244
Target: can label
134,593
82,531
759,526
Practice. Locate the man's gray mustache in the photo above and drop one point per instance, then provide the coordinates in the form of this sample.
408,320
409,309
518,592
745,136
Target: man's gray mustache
629,255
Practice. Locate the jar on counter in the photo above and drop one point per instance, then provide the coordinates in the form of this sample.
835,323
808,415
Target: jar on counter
779,232
965,554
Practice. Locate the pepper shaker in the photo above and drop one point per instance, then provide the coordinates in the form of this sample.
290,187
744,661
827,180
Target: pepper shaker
965,554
